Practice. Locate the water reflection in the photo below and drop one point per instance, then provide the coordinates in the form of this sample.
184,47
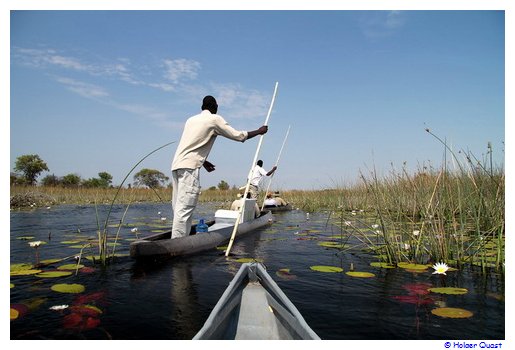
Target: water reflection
171,299
184,301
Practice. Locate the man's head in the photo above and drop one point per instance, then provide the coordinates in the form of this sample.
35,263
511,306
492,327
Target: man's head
210,104
260,162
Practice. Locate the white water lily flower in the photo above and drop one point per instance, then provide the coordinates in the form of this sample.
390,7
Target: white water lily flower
163,219
35,244
134,230
58,307
440,268
416,232
375,226
347,223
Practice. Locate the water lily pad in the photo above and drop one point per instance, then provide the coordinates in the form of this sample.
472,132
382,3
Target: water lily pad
21,266
323,268
285,274
449,290
50,261
451,312
12,285
409,266
71,242
68,288
223,247
25,238
413,299
53,274
382,265
417,288
88,310
18,310
14,314
24,272
34,303
360,274
335,245
70,267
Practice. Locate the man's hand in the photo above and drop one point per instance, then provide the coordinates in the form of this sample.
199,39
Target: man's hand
263,130
208,166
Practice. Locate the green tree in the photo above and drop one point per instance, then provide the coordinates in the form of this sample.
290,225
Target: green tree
151,178
71,180
223,186
31,165
105,179
51,180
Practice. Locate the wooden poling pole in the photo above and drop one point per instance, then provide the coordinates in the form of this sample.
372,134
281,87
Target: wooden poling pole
240,212
276,163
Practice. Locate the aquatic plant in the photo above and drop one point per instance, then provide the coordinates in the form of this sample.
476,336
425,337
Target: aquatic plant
440,268
103,232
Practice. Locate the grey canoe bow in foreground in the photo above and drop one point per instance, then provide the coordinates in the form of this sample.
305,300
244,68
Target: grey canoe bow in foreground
253,307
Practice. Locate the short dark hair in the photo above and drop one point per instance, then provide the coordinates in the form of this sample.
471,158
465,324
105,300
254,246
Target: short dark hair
260,162
209,103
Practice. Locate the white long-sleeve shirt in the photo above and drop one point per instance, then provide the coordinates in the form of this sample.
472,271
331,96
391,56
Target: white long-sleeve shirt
198,137
257,173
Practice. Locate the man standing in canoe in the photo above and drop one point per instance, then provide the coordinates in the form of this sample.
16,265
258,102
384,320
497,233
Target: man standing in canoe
257,174
198,137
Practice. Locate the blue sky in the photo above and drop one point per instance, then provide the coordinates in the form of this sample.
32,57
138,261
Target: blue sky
94,91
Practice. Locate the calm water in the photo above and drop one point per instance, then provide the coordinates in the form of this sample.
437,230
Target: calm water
172,299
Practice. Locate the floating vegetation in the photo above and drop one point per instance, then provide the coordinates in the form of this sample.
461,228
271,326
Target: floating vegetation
450,312
382,265
324,268
54,274
50,261
360,274
334,245
417,288
413,299
414,267
449,290
24,272
285,274
18,310
68,288
26,238
70,267
14,314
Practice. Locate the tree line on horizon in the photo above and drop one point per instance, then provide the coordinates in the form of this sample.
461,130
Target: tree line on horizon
30,166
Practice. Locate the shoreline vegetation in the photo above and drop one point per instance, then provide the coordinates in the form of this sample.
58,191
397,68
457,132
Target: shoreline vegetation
435,215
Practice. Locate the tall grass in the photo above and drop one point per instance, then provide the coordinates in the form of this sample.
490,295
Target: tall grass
454,214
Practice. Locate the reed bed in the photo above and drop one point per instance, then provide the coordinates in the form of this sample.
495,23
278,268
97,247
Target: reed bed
434,215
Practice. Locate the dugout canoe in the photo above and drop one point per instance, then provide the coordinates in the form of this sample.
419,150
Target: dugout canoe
253,307
220,231
277,209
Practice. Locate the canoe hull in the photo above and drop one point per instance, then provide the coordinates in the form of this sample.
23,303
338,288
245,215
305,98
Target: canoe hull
253,307
160,245
287,207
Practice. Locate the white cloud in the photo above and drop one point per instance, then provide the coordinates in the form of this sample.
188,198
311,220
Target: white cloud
380,24
240,102
181,68
175,76
48,58
83,89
